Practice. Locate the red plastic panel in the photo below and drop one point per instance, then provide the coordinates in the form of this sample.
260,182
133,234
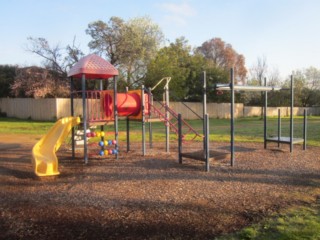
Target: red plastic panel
129,104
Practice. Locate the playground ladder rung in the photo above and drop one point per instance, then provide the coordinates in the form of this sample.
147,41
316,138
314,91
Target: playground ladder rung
172,122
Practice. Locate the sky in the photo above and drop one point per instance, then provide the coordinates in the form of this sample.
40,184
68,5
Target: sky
284,32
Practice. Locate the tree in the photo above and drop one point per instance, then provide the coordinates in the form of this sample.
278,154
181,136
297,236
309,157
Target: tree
259,70
306,87
214,75
57,61
222,55
7,75
56,58
312,76
130,45
39,82
171,61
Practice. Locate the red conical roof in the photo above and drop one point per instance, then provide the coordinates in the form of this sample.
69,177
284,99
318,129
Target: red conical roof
93,67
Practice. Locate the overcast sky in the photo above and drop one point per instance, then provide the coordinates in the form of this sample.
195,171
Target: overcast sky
286,32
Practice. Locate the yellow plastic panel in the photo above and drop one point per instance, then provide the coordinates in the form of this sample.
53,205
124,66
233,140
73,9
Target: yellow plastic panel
44,159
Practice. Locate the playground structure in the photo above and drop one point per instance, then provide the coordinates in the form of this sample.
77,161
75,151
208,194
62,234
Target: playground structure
279,139
104,107
206,154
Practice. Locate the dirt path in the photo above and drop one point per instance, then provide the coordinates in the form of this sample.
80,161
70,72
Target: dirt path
151,197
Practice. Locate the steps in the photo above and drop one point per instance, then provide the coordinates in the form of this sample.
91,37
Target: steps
172,122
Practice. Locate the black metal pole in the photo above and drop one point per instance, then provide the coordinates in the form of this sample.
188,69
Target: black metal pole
84,110
279,126
167,99
143,122
128,128
101,115
305,129
265,115
150,100
72,114
180,137
207,149
204,107
128,134
291,115
115,111
232,117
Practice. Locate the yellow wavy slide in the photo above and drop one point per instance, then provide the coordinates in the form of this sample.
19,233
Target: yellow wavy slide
44,159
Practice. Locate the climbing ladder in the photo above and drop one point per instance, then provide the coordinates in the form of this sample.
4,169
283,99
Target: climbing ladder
172,121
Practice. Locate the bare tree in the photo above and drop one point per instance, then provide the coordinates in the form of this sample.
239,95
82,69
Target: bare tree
56,58
259,70
273,77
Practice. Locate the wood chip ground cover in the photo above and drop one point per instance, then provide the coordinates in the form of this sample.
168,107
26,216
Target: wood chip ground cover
153,196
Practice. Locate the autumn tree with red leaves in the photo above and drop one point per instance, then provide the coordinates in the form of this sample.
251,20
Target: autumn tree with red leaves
222,55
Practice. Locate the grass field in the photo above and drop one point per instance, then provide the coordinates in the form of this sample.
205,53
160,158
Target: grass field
246,129
300,222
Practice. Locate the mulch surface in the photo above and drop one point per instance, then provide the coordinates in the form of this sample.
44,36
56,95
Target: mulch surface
152,196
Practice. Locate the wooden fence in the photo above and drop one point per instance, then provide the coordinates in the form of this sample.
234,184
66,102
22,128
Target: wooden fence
51,109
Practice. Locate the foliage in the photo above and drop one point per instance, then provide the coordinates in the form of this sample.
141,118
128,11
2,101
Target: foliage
130,45
186,69
38,82
7,75
213,75
306,87
222,55
172,61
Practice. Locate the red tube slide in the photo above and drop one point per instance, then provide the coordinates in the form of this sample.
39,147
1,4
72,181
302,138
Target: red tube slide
129,104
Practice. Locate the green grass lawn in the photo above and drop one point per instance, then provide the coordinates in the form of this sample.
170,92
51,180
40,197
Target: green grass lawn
19,126
293,224
246,129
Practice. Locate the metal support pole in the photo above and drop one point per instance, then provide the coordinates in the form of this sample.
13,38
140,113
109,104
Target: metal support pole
143,122
291,115
180,138
128,134
232,117
150,101
305,129
84,120
265,115
204,106
115,112
207,149
279,127
100,114
128,128
72,114
167,117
